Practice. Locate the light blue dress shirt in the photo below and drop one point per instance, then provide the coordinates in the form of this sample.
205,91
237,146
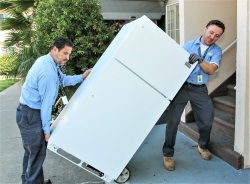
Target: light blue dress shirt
213,55
40,88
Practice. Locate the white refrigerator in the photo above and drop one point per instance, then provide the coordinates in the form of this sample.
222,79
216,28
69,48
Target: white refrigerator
114,109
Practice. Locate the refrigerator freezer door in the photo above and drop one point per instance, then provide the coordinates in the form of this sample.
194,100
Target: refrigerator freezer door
114,109
155,57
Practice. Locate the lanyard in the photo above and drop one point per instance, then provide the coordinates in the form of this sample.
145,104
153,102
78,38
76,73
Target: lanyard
202,58
204,55
61,82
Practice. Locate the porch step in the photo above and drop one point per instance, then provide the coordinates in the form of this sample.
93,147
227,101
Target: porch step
225,103
230,90
224,122
220,144
224,110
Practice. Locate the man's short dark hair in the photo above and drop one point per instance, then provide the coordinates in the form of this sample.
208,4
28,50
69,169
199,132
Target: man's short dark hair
61,42
217,23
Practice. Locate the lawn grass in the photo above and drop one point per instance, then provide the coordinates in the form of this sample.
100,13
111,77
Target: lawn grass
5,83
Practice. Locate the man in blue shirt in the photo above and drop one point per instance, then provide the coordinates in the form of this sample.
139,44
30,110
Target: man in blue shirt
38,95
208,55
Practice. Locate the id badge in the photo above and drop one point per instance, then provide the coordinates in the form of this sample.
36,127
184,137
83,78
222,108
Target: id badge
65,100
199,78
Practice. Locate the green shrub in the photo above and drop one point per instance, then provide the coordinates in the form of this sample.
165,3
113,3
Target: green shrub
78,20
7,65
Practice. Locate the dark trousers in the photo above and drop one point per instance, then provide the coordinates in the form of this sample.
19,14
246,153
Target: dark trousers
203,111
30,126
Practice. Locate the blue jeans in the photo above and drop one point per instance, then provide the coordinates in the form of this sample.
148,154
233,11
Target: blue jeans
34,144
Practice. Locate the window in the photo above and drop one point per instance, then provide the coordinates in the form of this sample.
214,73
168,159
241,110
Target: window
173,29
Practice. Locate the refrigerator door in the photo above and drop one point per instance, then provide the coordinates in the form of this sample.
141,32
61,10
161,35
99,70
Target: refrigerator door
104,123
114,109
155,57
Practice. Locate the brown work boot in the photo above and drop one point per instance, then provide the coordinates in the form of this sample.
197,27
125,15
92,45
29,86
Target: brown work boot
205,153
169,163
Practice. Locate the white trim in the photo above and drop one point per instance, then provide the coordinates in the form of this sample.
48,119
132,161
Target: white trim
241,144
127,9
129,16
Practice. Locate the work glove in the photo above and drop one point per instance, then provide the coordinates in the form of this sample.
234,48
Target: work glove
193,58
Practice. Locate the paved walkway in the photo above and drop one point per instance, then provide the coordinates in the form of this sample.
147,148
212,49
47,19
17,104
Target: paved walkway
146,166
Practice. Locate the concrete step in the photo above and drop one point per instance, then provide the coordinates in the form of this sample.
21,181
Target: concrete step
231,91
225,103
224,122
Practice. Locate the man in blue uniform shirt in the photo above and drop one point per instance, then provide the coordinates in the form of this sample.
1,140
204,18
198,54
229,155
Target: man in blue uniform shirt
208,55
38,95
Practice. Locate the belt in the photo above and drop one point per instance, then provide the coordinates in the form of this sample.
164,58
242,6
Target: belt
23,104
191,84
28,106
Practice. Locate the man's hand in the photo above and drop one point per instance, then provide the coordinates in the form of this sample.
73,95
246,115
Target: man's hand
46,136
86,73
193,58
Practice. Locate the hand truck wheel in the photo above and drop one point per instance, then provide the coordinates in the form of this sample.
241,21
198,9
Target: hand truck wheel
124,176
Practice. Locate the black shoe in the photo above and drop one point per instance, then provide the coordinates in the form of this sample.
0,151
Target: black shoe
48,181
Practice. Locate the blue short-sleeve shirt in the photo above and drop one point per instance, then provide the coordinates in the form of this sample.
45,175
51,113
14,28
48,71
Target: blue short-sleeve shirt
214,55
